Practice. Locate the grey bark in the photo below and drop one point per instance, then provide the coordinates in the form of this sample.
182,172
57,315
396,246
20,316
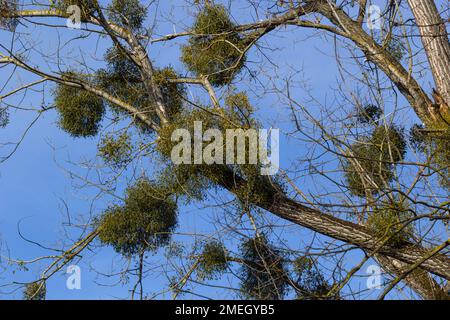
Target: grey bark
434,37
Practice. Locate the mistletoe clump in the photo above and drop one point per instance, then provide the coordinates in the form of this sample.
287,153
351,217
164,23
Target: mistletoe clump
391,142
418,137
310,282
369,114
364,172
436,143
186,179
213,260
433,140
172,92
35,291
441,149
127,13
235,115
122,78
7,10
239,108
87,7
263,273
116,151
396,48
371,165
388,222
80,112
191,179
145,221
215,51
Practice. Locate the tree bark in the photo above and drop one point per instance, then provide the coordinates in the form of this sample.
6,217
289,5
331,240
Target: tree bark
355,234
282,206
420,280
435,42
404,81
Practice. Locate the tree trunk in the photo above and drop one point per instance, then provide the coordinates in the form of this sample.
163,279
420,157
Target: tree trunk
326,224
419,280
355,234
437,47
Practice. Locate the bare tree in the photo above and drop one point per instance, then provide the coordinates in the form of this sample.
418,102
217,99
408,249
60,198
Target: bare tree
393,208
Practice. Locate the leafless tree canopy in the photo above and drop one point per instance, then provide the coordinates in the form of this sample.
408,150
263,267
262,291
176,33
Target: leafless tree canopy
364,171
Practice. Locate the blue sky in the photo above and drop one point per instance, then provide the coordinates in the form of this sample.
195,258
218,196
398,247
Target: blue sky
35,185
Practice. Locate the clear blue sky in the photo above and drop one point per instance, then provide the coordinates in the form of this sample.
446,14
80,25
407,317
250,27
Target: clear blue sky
34,182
